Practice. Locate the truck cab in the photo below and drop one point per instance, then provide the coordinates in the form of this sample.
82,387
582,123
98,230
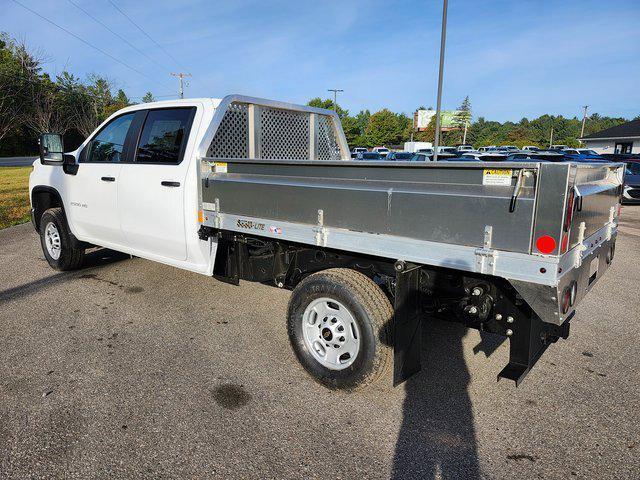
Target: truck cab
132,185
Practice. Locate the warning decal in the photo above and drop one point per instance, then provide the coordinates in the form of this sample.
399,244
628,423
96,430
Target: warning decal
493,176
220,167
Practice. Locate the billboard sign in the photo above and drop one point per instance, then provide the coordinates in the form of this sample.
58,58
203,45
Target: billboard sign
423,118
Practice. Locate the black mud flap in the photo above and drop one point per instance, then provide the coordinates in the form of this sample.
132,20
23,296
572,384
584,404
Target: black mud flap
407,318
529,337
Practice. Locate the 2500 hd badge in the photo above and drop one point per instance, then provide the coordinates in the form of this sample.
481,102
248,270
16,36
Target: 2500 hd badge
251,225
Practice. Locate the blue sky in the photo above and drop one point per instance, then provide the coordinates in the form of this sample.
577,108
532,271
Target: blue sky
513,58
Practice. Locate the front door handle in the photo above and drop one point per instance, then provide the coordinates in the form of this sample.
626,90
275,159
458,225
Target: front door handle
108,179
166,183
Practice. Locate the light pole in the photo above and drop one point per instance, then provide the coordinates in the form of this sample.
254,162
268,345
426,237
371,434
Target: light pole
335,97
584,120
443,38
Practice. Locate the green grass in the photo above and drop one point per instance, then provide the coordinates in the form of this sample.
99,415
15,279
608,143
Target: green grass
14,195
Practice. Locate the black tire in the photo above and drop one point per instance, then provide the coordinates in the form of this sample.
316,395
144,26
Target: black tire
370,309
71,256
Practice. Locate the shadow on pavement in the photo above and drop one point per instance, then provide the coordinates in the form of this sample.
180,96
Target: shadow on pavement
437,437
94,259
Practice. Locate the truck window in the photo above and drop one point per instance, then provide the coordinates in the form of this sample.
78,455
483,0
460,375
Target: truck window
107,145
164,135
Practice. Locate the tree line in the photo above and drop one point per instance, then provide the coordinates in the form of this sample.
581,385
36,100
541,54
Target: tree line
31,103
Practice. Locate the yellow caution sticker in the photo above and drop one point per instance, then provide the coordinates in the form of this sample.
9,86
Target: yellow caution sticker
220,167
496,176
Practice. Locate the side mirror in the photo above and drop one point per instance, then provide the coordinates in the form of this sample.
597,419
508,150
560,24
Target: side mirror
51,149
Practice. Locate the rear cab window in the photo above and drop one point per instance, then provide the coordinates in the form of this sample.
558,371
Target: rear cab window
164,134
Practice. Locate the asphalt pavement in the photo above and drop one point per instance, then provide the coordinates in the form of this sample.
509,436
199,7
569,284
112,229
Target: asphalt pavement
16,161
132,369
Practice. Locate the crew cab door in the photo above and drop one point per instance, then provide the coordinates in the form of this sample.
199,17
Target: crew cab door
152,187
92,191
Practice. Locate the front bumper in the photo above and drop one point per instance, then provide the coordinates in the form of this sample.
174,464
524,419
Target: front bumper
631,194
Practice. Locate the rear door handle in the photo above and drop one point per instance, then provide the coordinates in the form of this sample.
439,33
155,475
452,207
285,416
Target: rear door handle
108,179
166,183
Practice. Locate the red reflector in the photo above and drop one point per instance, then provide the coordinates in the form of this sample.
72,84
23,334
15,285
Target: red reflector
546,244
565,242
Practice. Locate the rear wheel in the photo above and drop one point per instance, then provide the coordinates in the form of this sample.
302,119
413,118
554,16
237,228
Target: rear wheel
58,245
339,325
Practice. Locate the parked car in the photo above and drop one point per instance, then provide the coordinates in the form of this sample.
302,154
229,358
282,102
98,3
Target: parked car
620,157
582,155
464,148
530,148
383,151
631,188
491,156
422,157
357,150
487,148
508,148
369,156
558,147
458,159
539,156
400,156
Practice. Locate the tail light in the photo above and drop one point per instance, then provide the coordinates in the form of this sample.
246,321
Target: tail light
569,297
568,218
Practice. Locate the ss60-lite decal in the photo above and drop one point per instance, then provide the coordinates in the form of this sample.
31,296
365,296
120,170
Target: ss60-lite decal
250,225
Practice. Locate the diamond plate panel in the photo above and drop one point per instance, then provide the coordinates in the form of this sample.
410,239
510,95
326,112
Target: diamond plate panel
285,134
232,137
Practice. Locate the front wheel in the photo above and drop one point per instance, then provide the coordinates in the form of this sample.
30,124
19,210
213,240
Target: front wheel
58,246
339,325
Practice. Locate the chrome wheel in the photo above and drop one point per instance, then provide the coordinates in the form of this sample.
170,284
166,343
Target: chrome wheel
331,333
52,240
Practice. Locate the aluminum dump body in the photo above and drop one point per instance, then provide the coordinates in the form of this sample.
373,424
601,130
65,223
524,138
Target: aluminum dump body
284,171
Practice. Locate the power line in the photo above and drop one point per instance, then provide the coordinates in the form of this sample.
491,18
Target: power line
89,44
145,33
117,34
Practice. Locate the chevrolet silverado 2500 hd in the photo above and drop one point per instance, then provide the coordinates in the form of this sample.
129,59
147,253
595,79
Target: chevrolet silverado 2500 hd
242,188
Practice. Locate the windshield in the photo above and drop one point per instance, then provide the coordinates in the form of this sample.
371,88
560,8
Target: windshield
633,168
587,152
403,156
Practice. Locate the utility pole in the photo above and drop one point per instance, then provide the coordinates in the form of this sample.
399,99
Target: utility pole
335,97
181,77
551,137
584,120
464,136
443,38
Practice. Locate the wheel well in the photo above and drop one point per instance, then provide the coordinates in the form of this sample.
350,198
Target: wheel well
42,199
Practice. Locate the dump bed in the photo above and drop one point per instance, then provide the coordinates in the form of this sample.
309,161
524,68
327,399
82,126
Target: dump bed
284,171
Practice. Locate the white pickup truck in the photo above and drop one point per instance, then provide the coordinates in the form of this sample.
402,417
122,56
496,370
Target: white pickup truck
242,188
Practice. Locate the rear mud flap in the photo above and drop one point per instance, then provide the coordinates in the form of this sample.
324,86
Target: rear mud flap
407,319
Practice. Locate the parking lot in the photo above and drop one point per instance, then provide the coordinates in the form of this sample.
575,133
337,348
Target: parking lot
132,369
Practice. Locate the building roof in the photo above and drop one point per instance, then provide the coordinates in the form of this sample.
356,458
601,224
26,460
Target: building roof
626,130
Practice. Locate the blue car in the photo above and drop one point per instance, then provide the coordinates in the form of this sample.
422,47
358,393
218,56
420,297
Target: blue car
582,155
